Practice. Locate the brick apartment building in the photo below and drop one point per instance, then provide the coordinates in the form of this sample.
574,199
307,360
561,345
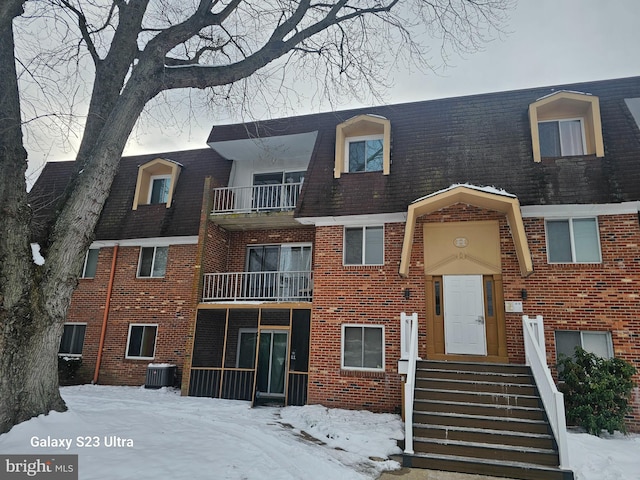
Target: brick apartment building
274,265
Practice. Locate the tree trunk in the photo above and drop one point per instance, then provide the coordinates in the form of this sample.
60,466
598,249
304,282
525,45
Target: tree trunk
29,339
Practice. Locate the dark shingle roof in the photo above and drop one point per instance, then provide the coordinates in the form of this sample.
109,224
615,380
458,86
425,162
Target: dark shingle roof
118,220
479,139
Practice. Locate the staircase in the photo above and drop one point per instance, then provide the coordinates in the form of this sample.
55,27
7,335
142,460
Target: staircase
482,418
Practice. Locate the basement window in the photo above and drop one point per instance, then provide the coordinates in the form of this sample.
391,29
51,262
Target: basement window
598,343
72,340
141,343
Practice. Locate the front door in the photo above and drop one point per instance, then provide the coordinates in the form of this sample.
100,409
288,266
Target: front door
464,322
272,363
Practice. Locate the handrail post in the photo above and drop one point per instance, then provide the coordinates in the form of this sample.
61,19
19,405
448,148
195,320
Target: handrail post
552,399
409,386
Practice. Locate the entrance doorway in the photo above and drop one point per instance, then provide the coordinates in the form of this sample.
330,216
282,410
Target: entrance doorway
464,315
272,364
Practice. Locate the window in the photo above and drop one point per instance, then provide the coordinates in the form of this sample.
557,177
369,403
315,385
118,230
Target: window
247,348
276,190
90,263
574,240
363,347
598,343
363,145
364,154
566,123
153,261
159,189
156,183
364,246
142,341
561,138
290,265
72,339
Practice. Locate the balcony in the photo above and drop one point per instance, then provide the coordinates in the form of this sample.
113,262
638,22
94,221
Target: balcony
258,286
256,206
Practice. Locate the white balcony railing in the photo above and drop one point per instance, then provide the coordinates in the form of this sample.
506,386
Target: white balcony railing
259,286
257,198
535,354
410,382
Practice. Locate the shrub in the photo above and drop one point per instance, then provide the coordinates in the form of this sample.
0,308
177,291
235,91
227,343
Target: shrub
596,391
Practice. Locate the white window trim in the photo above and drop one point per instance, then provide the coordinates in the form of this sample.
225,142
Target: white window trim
86,259
158,177
361,138
572,240
155,341
361,369
364,245
606,333
240,332
153,262
560,120
75,355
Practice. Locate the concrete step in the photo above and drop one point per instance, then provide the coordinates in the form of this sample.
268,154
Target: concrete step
471,376
487,451
478,397
493,410
474,367
477,386
471,465
484,435
481,421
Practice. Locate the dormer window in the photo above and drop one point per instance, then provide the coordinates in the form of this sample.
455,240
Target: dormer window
565,124
364,154
159,189
562,138
363,144
156,182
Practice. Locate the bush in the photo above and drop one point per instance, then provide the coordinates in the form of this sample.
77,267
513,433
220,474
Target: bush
68,370
596,391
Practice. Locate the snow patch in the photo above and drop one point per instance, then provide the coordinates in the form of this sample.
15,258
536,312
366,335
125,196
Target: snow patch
38,259
486,189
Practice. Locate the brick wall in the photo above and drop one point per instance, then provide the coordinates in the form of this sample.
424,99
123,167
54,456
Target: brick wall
357,295
239,240
598,297
162,301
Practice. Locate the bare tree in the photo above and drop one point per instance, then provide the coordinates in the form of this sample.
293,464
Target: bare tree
138,49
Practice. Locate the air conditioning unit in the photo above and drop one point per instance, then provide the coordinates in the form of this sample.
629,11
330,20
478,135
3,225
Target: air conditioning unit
160,375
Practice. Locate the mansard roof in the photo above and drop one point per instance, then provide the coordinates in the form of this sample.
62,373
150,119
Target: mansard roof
118,220
478,139
482,140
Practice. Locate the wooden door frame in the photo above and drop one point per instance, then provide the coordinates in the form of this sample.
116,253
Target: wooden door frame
435,325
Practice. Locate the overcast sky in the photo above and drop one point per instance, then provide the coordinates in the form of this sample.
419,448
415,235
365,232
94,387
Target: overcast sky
547,42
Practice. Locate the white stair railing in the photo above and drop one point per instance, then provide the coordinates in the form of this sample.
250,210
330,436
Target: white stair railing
410,383
552,399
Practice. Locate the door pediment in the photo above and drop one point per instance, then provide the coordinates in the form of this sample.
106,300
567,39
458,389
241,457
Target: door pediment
499,201
462,248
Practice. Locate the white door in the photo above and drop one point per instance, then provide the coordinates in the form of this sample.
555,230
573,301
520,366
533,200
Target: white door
464,329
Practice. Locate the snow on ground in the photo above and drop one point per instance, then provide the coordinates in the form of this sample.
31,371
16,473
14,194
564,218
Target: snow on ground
185,437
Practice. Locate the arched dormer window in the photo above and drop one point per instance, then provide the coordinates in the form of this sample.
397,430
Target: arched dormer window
156,183
363,145
565,124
